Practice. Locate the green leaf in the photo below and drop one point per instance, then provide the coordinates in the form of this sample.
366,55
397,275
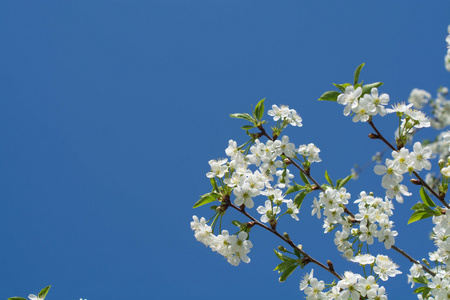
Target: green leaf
423,207
205,199
423,289
244,116
327,177
303,177
341,87
419,206
298,200
287,272
284,265
419,215
368,87
342,182
357,71
248,127
16,298
214,184
298,253
43,293
426,199
281,256
236,223
329,96
259,110
421,279
294,188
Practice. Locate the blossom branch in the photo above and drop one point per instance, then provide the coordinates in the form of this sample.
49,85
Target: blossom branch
346,210
422,182
411,259
307,257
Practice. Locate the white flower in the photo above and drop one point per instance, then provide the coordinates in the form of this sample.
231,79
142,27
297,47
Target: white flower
278,113
244,194
364,259
420,157
316,208
292,209
34,297
315,290
217,168
419,98
268,211
364,110
306,280
349,98
399,108
366,286
310,152
385,267
378,101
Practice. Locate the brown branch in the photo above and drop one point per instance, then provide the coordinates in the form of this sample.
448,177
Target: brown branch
288,241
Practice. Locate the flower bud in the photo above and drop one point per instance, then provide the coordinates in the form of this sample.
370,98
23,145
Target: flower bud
426,262
330,265
374,136
286,236
415,181
441,163
282,249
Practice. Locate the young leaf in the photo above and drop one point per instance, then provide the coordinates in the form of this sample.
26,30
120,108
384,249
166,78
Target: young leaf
341,87
214,185
368,87
421,279
244,116
426,199
43,293
281,256
342,182
357,71
329,96
303,177
294,188
423,289
205,199
327,177
259,110
298,200
419,215
287,272
236,223
284,265
247,127
298,253
16,298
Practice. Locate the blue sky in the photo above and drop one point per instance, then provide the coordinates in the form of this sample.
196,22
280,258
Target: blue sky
110,111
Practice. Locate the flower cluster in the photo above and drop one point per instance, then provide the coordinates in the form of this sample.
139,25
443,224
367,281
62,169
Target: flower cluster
363,107
234,248
285,115
352,286
438,286
403,162
262,169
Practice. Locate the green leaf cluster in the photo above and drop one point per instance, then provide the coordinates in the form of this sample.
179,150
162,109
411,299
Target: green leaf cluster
424,210
288,265
255,118
339,183
424,290
42,294
333,95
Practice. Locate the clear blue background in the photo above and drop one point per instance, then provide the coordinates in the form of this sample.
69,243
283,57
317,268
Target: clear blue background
110,110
